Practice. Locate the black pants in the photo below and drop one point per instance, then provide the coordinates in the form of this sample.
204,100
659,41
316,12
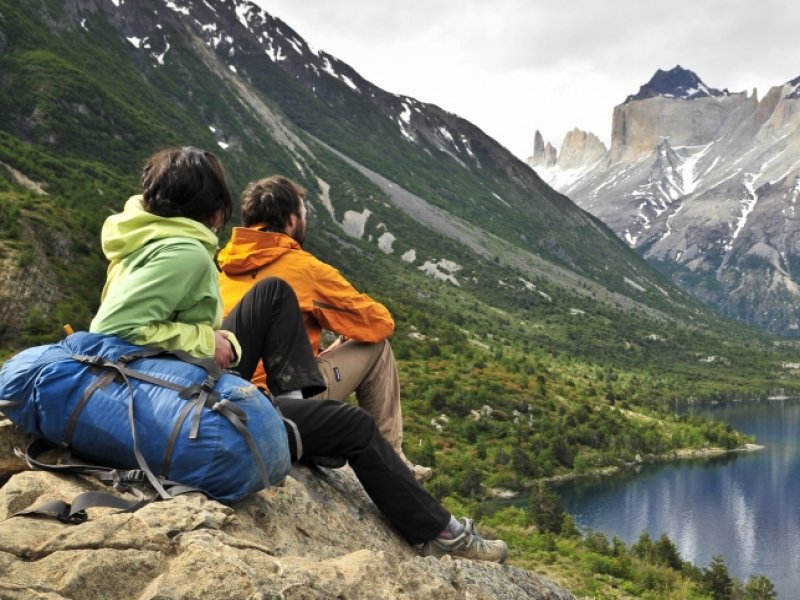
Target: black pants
333,428
269,326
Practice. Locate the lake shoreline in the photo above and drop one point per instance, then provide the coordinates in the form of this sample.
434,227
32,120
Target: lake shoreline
609,471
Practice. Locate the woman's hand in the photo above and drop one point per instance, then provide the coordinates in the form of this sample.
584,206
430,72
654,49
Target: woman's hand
223,350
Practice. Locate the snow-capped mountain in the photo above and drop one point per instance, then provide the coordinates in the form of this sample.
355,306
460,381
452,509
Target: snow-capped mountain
704,184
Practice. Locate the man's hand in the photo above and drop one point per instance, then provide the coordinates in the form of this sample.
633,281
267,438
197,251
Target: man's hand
223,350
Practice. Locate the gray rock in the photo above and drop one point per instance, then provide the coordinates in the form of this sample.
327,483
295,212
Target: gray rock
11,437
316,536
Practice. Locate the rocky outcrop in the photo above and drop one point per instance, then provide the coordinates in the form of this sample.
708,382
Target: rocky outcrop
317,536
637,127
543,155
703,183
580,148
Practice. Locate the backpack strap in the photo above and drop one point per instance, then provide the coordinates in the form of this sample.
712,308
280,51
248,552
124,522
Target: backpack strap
75,512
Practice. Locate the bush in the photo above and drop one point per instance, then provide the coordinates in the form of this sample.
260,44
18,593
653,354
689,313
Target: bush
545,510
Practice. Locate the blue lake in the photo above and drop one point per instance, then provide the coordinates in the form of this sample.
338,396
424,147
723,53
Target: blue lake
745,507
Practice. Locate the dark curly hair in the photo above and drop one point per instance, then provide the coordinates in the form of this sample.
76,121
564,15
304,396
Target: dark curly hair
271,201
186,182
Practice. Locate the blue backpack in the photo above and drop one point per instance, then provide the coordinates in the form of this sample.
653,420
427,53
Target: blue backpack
147,413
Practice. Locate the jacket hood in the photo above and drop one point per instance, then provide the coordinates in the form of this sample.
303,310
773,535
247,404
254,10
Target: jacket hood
250,249
126,232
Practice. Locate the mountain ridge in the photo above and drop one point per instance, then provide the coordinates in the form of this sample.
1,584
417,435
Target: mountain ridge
702,188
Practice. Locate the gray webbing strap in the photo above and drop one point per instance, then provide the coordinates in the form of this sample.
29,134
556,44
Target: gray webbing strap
173,437
75,512
100,382
223,407
298,441
136,452
117,477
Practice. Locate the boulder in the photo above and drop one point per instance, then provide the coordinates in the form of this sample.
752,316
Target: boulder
11,437
316,536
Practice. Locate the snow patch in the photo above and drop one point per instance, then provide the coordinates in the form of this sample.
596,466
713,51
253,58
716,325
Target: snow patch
178,9
385,242
349,83
405,116
327,66
275,53
135,42
445,133
83,25
686,169
409,256
325,195
501,200
443,270
160,57
297,45
242,11
355,222
404,121
634,285
748,205
668,224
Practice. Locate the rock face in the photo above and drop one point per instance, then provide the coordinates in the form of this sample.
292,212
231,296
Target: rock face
580,148
316,537
543,155
704,183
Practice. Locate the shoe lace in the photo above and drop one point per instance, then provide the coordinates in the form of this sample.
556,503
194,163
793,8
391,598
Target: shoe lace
474,537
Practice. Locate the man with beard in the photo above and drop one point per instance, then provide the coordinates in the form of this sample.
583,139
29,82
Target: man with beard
361,359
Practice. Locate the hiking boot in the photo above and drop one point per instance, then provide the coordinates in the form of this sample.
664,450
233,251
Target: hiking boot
420,473
469,544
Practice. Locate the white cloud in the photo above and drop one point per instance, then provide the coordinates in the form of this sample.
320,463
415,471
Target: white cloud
514,66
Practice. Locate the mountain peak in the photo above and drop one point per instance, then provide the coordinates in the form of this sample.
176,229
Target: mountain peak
676,83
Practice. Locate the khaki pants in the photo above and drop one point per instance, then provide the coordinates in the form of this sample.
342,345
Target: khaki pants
370,371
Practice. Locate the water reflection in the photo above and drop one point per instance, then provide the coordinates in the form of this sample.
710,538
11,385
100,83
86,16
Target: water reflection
744,507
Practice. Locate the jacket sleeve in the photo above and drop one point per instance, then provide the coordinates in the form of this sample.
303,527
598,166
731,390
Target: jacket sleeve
141,307
339,307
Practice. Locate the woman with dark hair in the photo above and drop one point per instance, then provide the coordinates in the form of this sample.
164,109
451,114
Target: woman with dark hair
162,290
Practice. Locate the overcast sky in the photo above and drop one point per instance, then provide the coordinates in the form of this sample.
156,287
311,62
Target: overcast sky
515,66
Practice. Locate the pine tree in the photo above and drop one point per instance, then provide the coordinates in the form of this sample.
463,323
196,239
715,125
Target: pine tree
545,510
759,587
717,581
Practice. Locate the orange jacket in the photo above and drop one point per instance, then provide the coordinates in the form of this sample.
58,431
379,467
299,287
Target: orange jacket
327,300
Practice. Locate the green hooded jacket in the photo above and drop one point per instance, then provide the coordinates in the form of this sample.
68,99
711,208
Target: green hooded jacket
162,286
